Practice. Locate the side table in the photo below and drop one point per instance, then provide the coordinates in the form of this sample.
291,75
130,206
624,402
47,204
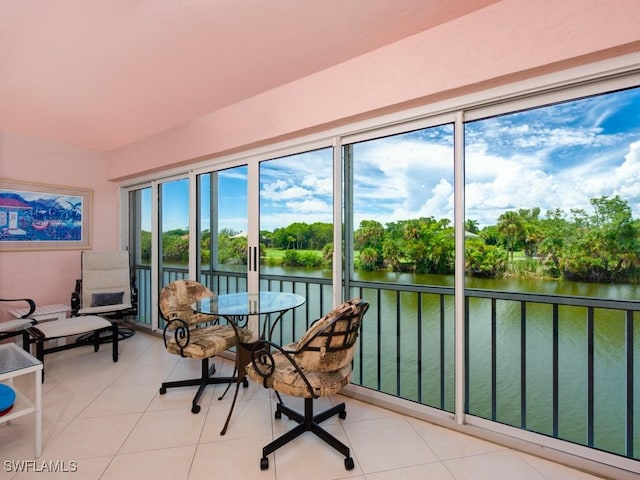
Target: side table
15,362
46,312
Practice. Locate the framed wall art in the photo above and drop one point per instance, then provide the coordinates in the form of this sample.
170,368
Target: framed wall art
36,216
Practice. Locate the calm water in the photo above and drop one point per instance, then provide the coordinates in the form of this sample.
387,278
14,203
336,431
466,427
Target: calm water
393,342
609,354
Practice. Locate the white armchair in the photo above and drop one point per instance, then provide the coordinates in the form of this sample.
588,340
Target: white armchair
104,295
106,288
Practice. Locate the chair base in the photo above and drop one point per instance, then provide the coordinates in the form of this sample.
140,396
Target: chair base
205,379
308,423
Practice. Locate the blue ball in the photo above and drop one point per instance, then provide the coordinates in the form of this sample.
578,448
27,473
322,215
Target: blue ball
7,397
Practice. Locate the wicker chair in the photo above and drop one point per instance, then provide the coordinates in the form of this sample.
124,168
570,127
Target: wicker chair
318,365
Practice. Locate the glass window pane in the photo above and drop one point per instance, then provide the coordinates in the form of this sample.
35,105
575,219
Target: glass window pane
296,214
222,229
553,207
403,207
174,230
140,248
556,190
402,238
296,234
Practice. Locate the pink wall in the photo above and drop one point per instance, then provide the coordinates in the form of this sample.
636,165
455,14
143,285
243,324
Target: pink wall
512,39
49,276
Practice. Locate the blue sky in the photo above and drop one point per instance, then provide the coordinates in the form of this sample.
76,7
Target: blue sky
297,189
558,156
555,157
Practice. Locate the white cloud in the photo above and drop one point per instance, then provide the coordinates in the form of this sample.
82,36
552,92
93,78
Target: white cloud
319,185
438,203
627,176
519,184
281,190
397,176
310,206
480,165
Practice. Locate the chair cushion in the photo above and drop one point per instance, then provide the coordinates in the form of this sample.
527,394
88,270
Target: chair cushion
207,342
286,380
104,309
176,300
15,325
104,273
322,360
108,298
72,326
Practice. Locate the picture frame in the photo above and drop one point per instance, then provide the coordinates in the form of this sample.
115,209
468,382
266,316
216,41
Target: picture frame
37,216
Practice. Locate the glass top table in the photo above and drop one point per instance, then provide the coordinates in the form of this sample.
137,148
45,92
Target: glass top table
13,358
236,308
244,304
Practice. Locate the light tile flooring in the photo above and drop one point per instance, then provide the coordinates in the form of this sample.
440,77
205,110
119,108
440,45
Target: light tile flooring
110,420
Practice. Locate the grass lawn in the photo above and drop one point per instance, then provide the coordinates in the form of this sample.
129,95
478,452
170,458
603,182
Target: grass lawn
279,253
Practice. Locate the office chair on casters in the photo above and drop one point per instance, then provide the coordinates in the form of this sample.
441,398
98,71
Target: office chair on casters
317,365
195,335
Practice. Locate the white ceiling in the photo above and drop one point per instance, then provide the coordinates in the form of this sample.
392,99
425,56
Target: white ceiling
103,73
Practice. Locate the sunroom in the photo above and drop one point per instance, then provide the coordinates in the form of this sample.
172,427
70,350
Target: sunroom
476,181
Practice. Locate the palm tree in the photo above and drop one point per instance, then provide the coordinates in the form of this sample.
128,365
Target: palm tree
471,226
510,225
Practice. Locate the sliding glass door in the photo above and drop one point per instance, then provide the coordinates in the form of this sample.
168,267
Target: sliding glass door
140,220
399,256
174,229
296,232
222,229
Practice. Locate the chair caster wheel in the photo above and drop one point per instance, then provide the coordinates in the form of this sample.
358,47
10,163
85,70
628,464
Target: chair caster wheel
195,409
348,463
342,415
163,390
277,415
264,463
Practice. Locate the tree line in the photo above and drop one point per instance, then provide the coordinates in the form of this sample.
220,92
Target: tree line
602,246
598,246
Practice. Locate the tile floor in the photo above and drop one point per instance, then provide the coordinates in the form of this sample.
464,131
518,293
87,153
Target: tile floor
110,420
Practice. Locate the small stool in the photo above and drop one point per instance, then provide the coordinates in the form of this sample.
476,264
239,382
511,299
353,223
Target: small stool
44,313
84,324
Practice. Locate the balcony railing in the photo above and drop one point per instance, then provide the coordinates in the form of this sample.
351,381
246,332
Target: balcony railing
560,366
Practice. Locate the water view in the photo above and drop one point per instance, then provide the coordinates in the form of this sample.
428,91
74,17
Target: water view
552,256
407,344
